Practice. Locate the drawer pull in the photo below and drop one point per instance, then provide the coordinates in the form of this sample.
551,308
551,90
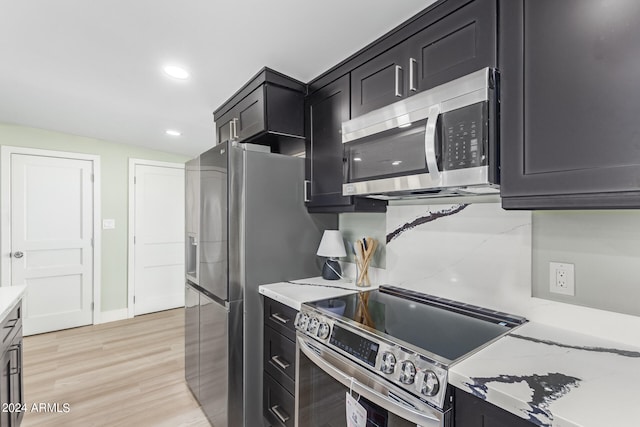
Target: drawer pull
282,416
15,370
282,363
280,318
11,324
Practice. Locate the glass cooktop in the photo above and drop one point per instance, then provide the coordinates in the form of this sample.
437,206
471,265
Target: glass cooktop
443,327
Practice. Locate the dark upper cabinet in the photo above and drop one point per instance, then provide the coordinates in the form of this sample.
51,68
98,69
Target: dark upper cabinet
325,110
471,411
570,103
457,40
268,110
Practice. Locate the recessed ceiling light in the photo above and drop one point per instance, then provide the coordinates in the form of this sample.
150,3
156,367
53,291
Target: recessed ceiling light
173,132
176,72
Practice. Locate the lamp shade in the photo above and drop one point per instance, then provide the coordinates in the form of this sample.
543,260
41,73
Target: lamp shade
332,244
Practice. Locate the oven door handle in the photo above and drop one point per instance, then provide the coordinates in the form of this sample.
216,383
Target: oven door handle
332,364
430,142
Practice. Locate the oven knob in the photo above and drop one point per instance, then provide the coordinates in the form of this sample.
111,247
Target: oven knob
324,330
430,384
312,328
302,320
407,372
388,364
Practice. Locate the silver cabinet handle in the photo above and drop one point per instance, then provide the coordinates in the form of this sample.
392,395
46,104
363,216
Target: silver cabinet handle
398,69
235,129
282,416
280,318
283,364
18,254
412,65
307,183
430,142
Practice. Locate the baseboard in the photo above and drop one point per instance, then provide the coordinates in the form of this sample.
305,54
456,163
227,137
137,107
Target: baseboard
111,316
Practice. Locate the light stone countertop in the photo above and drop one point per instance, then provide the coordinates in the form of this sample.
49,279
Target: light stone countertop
9,296
297,292
555,377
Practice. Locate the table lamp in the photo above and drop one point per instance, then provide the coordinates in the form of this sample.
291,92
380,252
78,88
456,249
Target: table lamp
332,247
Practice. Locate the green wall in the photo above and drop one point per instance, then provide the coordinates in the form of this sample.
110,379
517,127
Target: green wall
114,164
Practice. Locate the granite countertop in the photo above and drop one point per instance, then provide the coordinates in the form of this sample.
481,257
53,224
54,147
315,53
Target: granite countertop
9,296
556,378
296,292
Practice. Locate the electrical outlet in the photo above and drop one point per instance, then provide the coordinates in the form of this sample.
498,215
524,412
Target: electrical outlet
562,278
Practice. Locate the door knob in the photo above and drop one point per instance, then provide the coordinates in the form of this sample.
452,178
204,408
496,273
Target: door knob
18,254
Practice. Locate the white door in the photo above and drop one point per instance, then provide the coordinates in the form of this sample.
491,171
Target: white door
158,238
51,240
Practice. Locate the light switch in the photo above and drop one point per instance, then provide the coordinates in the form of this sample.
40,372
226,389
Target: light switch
108,224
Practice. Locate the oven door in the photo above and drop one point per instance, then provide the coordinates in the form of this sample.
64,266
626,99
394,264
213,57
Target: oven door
324,377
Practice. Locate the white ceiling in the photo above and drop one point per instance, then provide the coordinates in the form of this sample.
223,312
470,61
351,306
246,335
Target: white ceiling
94,68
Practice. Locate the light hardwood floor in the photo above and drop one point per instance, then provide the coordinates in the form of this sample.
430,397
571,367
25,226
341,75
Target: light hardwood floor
125,373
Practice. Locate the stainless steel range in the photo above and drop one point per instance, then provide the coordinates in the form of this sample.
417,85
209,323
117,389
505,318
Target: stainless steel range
391,350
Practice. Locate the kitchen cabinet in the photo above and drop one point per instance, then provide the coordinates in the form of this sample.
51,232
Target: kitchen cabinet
326,109
268,110
471,411
279,349
449,47
569,103
11,382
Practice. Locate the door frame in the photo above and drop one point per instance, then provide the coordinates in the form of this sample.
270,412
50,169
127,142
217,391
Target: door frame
131,224
5,214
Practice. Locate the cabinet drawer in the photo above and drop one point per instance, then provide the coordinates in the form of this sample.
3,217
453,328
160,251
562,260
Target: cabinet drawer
280,317
279,404
280,358
10,325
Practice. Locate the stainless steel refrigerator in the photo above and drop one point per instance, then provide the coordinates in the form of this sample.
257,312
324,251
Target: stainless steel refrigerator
252,229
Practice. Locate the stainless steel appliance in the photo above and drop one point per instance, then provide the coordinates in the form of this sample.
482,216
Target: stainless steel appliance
443,141
391,349
252,229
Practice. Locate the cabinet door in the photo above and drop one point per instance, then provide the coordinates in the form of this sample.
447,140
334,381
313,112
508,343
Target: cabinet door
250,115
327,109
16,381
454,46
471,411
380,82
5,388
570,103
224,132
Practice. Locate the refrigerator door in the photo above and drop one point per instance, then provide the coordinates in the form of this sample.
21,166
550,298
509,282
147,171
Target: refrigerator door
214,361
192,339
192,218
213,247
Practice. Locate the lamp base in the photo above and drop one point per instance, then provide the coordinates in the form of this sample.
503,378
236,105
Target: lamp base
328,273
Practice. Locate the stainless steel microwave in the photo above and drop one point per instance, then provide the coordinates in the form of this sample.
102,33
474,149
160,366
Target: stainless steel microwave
443,141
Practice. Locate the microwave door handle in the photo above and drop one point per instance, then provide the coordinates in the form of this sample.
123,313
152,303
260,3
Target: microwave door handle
430,142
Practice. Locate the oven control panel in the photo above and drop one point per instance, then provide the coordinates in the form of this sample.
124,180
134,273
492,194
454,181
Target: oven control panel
410,370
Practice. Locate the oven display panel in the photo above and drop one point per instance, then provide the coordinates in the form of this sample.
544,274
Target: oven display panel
355,345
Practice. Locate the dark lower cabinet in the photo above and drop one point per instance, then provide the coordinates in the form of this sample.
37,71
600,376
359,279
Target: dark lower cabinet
279,364
11,383
471,411
569,104
459,38
325,110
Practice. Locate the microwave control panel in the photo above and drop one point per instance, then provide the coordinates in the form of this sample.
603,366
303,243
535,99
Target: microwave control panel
464,133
